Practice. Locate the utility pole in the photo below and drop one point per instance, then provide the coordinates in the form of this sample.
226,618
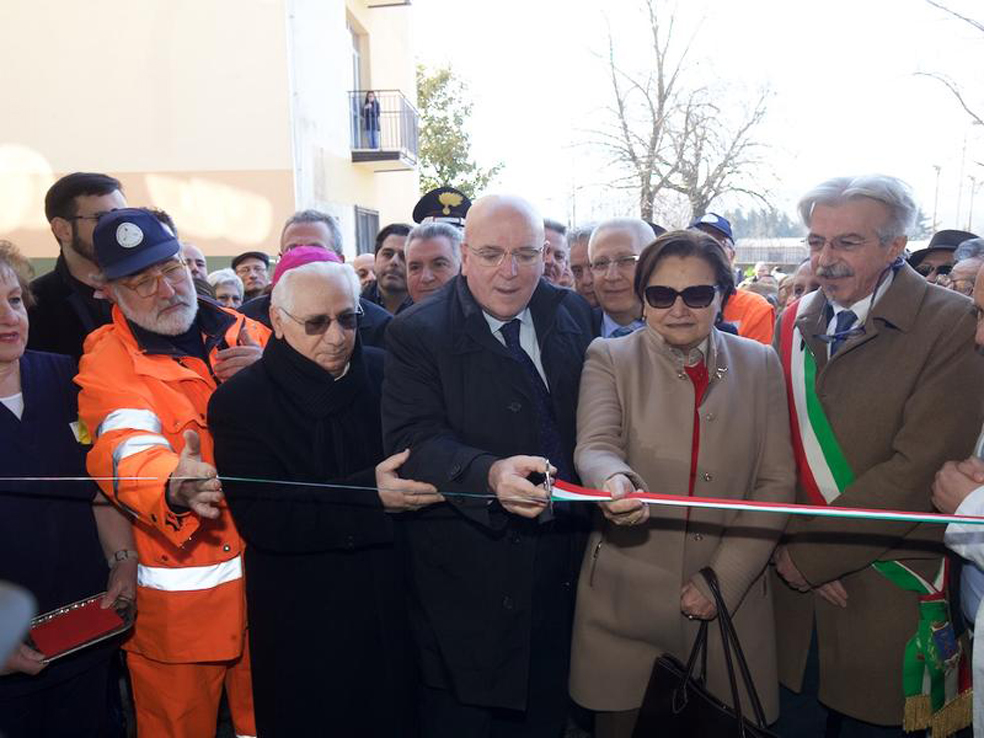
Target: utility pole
970,212
960,178
936,197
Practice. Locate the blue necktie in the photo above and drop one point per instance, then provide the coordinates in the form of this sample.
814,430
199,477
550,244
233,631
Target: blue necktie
845,319
549,436
622,330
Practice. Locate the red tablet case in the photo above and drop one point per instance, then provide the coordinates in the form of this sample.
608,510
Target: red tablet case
75,626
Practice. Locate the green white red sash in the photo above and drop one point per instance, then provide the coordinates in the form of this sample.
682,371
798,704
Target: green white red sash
935,675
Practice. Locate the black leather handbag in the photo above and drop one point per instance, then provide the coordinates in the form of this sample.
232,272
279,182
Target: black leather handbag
677,703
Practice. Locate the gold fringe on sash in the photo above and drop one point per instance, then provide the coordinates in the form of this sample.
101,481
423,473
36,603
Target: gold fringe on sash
954,716
918,713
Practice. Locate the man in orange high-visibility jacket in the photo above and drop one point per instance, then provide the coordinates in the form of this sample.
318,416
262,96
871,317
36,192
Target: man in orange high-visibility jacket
146,380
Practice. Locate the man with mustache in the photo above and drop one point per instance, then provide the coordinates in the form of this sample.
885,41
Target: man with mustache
390,288
68,303
253,268
146,380
884,386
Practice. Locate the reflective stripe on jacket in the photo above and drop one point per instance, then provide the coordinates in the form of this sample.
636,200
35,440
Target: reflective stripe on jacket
139,395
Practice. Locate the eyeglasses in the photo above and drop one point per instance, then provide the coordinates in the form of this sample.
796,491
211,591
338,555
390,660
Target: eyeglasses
173,273
622,264
492,257
250,269
318,325
837,243
928,269
698,296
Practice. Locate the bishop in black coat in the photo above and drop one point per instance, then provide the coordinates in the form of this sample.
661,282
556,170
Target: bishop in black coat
324,582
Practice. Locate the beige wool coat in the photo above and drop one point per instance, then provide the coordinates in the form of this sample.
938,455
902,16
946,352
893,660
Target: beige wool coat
902,399
635,416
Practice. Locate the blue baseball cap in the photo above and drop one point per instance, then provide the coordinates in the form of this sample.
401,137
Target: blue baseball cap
129,240
715,221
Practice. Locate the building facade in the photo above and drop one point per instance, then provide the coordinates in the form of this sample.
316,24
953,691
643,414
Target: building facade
228,114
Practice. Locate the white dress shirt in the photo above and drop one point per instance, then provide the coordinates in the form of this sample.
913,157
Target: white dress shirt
861,308
527,337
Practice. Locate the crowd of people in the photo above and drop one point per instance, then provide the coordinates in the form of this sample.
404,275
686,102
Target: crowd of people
327,491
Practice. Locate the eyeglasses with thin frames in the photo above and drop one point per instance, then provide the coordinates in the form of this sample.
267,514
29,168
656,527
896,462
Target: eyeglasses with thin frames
489,256
622,264
173,273
843,244
318,325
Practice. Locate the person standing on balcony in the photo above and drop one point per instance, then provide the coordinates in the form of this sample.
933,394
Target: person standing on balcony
370,120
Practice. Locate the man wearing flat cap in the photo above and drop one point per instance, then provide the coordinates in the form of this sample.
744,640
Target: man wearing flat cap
146,380
937,259
253,267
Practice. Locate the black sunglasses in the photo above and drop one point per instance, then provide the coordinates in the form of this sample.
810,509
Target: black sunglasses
927,269
317,325
698,296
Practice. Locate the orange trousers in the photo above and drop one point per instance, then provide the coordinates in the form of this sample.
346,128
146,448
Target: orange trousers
182,700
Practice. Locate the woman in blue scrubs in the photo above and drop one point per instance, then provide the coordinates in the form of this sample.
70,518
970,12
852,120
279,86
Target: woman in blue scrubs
54,541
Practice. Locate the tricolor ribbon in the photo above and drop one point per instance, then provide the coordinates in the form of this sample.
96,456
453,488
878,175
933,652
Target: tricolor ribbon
567,492
573,493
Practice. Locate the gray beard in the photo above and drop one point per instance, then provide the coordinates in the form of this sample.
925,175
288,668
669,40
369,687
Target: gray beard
170,325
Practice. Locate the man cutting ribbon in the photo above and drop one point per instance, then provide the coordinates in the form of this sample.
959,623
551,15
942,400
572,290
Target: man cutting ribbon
883,386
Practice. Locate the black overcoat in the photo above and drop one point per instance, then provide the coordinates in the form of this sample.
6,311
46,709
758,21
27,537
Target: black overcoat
324,577
485,584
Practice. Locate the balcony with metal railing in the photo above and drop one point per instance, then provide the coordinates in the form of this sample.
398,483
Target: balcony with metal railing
383,129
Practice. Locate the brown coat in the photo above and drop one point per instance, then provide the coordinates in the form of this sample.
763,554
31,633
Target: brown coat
635,416
902,398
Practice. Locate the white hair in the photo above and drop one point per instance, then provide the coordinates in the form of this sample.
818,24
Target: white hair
642,232
226,276
891,192
283,292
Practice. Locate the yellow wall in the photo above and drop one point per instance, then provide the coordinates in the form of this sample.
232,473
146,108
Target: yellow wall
227,113
163,94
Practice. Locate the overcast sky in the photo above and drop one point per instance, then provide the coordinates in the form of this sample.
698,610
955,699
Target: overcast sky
842,72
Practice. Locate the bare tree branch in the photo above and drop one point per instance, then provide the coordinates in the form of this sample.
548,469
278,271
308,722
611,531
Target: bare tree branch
974,23
954,90
666,136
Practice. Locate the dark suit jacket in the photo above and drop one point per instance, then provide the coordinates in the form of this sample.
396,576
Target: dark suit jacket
372,322
483,579
326,586
66,312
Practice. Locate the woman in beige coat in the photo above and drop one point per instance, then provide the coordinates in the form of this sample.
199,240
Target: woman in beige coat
640,594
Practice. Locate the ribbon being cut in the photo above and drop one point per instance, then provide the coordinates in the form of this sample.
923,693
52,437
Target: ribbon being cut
935,666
